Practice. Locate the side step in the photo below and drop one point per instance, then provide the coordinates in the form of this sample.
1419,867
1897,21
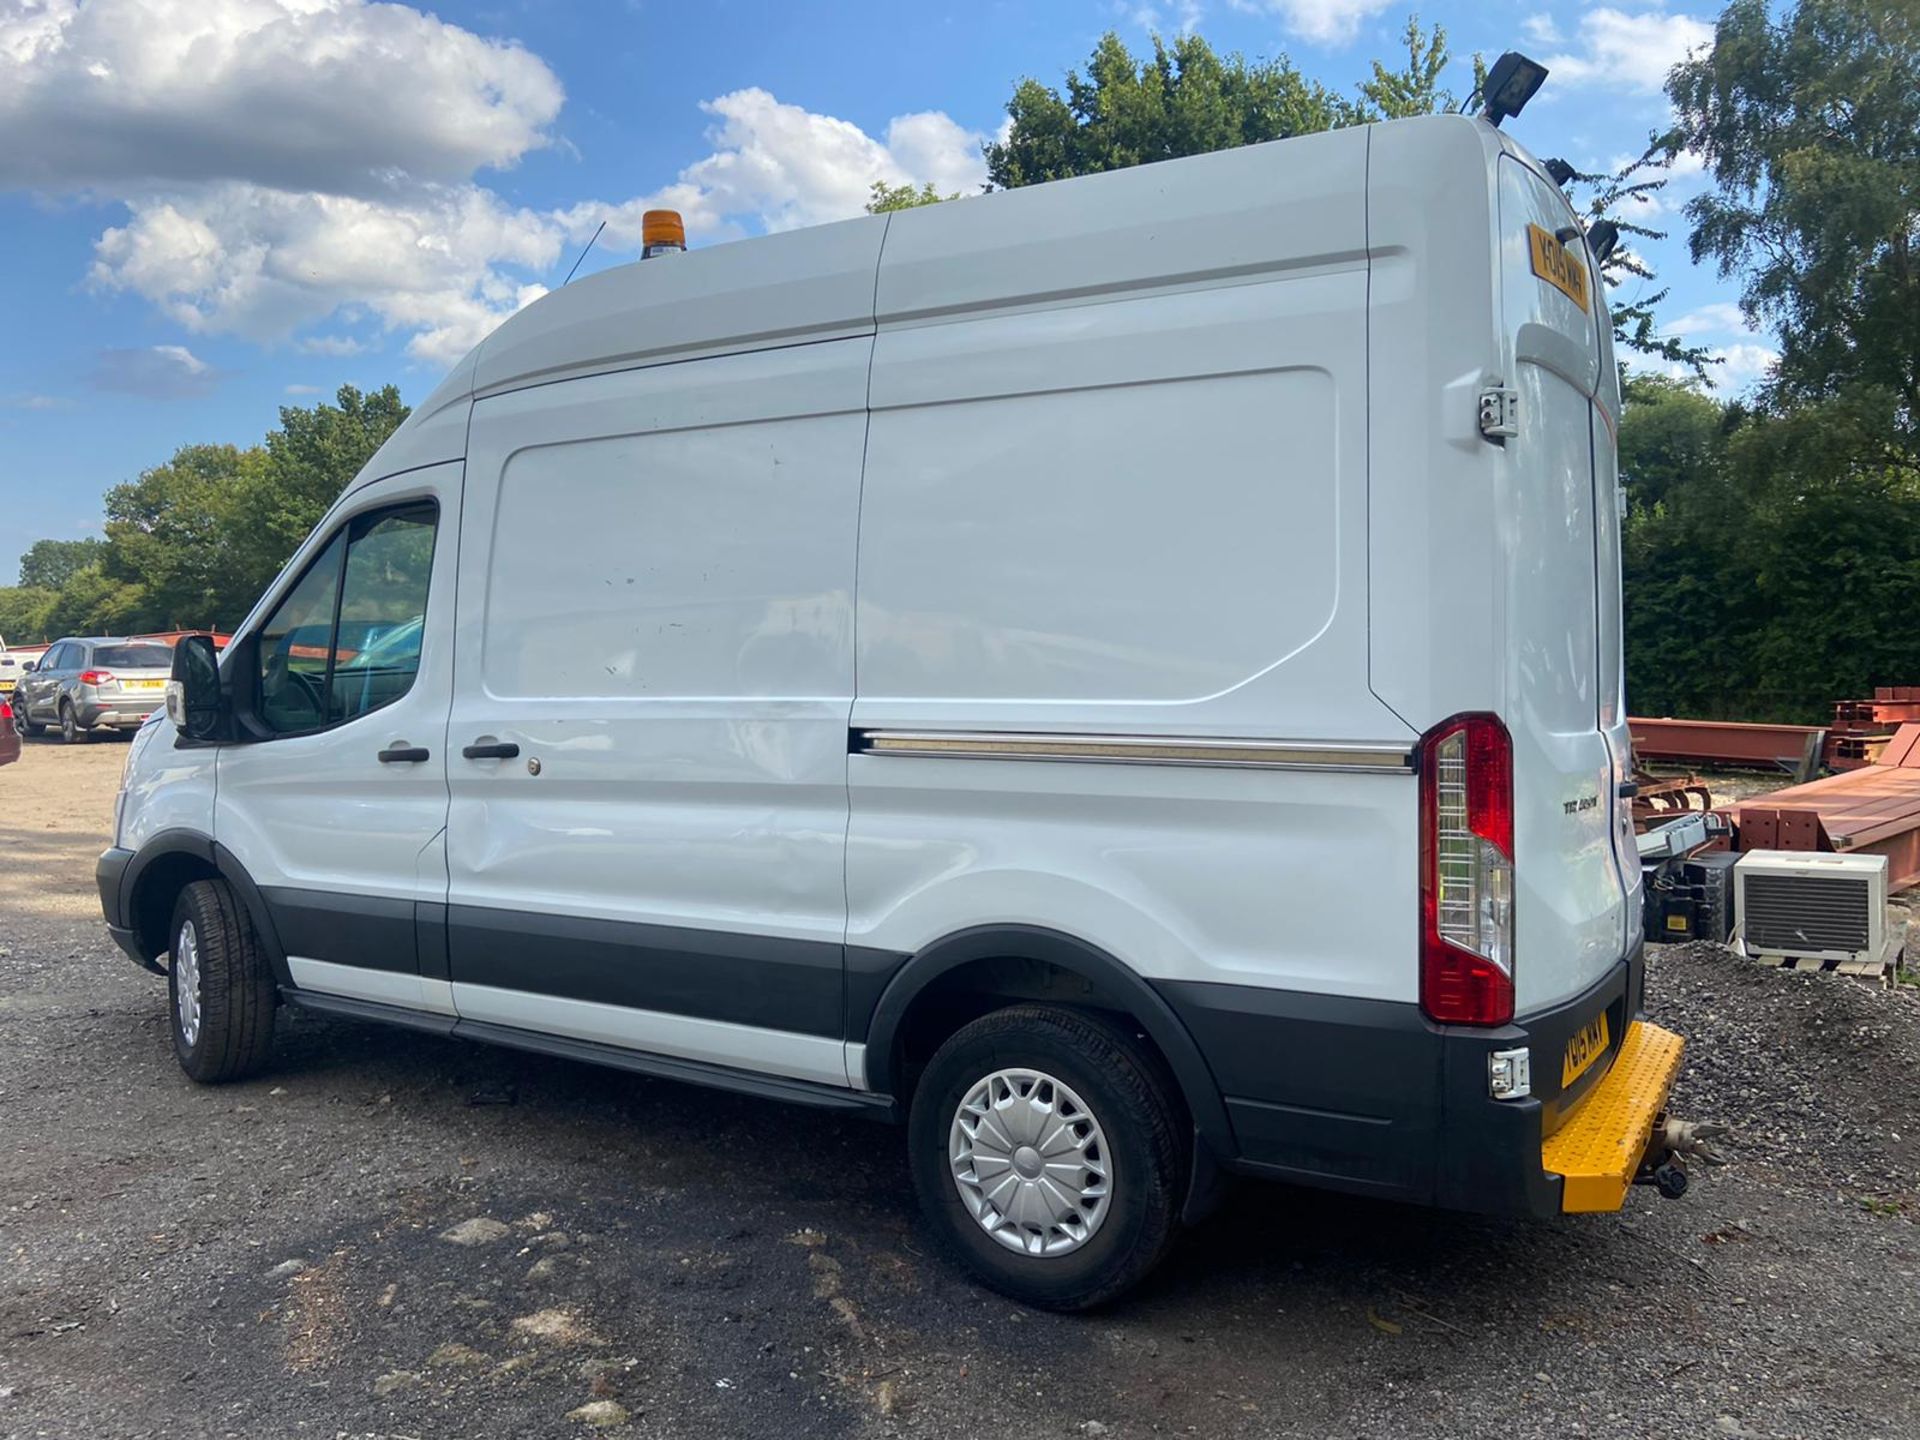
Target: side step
659,1067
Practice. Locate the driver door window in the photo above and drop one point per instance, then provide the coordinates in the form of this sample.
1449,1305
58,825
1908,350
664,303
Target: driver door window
346,639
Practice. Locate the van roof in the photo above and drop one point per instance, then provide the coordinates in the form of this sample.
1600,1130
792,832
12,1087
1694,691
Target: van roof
1198,220
1254,209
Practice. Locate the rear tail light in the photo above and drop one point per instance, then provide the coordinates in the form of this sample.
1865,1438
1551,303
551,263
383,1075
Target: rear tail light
1466,872
96,677
6,710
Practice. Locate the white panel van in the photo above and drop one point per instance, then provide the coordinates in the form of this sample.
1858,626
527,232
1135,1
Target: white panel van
1123,676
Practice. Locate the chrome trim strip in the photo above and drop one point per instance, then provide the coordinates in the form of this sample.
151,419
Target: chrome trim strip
1364,757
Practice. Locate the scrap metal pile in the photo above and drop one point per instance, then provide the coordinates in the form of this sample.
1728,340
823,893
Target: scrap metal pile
1799,876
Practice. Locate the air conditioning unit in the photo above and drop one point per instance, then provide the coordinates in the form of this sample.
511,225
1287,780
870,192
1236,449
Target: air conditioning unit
1798,904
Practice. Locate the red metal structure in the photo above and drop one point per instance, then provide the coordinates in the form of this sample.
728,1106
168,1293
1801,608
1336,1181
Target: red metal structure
1874,810
1793,748
1862,728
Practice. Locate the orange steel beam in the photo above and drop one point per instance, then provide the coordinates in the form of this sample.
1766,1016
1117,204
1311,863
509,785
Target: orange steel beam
1871,811
1724,742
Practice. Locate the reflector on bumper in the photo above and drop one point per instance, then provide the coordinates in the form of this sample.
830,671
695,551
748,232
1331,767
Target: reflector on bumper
1598,1149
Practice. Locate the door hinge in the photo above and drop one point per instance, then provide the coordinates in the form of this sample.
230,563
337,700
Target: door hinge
1499,413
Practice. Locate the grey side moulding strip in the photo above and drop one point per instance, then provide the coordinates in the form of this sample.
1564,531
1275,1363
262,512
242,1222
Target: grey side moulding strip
1352,757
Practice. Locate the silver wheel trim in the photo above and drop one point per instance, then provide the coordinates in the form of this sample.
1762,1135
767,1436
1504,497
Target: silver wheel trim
1031,1162
186,982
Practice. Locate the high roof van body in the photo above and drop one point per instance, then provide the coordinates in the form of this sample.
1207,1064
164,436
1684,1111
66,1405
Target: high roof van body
1124,675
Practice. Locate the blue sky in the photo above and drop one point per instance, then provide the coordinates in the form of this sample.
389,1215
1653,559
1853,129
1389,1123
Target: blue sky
213,208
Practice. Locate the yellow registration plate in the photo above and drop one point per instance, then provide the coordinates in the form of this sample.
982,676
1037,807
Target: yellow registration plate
143,684
1558,266
1588,1044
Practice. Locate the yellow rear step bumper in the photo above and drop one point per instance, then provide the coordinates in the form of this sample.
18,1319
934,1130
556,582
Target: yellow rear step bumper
1598,1150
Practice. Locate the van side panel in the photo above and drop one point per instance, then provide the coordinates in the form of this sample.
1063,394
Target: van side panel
656,584
1137,509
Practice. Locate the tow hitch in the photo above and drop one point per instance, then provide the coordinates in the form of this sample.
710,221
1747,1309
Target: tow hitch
1674,1142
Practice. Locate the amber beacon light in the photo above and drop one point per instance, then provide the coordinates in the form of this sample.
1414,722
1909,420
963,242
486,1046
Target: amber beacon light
661,233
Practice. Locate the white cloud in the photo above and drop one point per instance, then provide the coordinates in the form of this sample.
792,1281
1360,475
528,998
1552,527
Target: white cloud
1325,22
35,402
241,258
1630,52
1717,317
302,390
334,95
334,345
157,372
295,169
1742,366
1742,362
1147,15
1541,29
784,166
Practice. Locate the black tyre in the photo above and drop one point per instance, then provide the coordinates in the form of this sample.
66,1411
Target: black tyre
220,986
1049,1152
28,729
70,730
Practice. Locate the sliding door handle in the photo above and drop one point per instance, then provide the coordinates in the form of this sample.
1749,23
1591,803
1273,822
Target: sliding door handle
490,750
398,754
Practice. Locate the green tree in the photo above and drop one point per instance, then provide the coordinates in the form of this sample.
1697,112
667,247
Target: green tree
1184,100
1673,436
24,614
1809,121
48,563
1187,99
172,533
904,197
307,463
1414,89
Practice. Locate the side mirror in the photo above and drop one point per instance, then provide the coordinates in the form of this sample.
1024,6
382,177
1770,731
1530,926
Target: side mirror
26,666
193,694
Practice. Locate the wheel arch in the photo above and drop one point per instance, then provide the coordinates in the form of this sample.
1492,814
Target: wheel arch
170,861
1108,979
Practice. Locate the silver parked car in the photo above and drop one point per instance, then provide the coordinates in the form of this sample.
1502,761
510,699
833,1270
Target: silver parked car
93,684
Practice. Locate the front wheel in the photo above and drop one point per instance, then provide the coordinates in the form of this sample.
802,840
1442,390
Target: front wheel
220,986
28,729
1047,1150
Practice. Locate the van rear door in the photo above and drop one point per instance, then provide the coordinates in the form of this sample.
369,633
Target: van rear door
1559,535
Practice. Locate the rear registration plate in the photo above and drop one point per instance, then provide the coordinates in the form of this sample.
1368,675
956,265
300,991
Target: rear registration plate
1554,263
143,684
1588,1044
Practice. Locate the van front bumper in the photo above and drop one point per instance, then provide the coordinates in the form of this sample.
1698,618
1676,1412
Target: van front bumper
1372,1098
109,873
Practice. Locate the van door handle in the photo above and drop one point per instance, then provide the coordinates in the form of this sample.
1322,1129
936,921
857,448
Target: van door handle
403,755
491,750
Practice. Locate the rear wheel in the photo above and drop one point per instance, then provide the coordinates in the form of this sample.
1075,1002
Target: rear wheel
220,986
70,730
1047,1152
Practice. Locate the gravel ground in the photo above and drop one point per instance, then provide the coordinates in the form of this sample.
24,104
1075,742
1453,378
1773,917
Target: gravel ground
299,1256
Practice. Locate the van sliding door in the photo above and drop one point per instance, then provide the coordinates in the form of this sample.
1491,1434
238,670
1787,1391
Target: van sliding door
646,844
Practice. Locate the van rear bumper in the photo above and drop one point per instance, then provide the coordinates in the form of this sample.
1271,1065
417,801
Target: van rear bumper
1370,1097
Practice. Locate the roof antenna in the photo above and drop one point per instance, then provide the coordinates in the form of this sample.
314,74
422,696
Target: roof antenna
583,255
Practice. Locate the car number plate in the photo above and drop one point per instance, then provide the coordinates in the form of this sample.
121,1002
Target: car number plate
1557,265
1588,1044
143,685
